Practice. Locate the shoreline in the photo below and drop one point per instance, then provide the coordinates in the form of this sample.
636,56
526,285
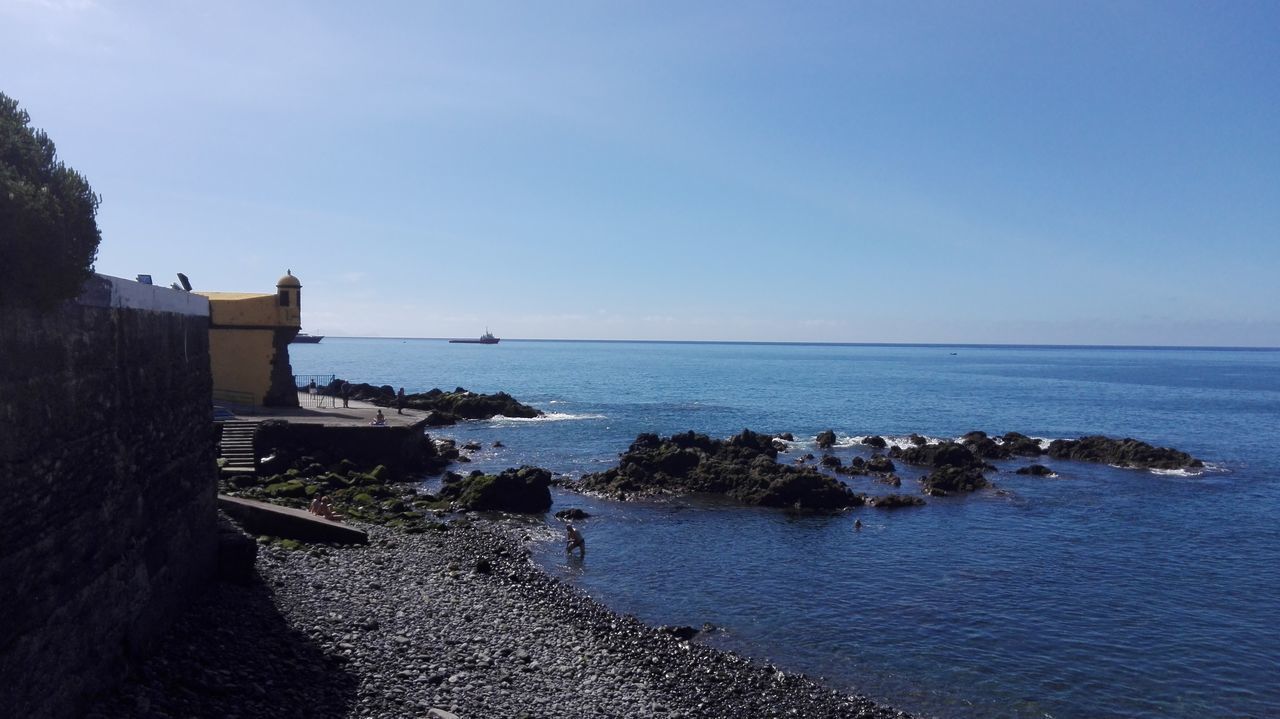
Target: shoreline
462,621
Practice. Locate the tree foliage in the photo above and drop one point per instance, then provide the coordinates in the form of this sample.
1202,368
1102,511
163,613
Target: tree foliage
48,228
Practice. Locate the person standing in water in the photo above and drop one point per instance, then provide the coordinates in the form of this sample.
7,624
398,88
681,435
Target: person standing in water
575,540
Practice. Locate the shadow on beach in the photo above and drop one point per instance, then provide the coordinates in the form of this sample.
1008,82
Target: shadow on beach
233,654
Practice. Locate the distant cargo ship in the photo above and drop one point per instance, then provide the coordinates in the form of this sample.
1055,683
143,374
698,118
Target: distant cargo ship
306,339
485,339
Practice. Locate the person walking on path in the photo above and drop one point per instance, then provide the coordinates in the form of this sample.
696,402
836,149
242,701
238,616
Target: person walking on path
400,401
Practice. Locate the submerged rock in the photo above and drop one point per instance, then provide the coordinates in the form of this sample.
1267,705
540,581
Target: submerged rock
1121,453
743,467
572,513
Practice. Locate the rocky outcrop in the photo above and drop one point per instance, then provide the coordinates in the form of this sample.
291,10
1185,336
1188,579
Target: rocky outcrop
1121,453
1037,470
444,408
983,446
955,467
1021,445
944,454
826,439
879,465
743,467
949,479
895,501
876,441
525,490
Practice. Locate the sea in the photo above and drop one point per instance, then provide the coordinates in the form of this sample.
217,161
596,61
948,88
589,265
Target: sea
1099,592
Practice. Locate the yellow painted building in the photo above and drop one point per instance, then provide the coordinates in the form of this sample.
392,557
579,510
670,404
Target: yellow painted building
249,335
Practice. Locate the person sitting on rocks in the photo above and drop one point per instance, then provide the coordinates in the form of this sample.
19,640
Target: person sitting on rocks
575,540
379,420
323,506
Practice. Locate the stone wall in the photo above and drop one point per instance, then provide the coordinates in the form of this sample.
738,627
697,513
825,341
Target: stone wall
107,480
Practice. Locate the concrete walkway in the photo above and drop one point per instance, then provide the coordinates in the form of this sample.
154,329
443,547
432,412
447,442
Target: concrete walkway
358,413
270,519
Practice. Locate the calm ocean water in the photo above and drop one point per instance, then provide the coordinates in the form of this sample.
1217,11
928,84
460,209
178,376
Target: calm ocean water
1100,593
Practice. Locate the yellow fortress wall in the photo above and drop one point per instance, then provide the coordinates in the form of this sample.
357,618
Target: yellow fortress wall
249,335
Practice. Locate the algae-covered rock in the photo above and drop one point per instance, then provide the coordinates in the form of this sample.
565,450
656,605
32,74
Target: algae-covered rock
526,489
289,488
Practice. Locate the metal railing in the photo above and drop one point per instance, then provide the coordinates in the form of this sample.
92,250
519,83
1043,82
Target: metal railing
314,390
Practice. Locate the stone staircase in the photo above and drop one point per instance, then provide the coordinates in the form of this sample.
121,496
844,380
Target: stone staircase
237,447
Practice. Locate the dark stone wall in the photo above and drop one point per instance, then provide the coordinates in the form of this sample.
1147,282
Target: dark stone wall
107,481
403,450
282,392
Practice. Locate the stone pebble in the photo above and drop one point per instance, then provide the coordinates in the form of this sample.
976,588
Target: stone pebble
405,627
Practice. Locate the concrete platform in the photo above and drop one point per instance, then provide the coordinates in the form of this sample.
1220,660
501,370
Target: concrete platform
357,414
262,518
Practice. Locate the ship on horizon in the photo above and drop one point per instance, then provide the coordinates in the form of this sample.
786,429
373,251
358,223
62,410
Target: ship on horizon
485,339
306,339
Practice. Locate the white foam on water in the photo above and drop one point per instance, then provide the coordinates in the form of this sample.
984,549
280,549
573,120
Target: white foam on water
547,417
856,440
1178,472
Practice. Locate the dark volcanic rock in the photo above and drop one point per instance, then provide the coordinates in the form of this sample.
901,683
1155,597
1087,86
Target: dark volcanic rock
894,501
1038,470
1121,453
445,408
830,460
918,440
945,454
826,439
983,446
512,490
572,513
1021,445
879,465
876,441
743,467
950,478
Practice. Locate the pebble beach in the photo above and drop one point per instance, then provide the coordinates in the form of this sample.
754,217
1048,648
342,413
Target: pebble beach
458,621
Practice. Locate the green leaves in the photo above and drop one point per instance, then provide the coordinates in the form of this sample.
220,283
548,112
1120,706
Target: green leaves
48,217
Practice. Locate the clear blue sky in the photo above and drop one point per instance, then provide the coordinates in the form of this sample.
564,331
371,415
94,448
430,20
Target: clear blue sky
1065,172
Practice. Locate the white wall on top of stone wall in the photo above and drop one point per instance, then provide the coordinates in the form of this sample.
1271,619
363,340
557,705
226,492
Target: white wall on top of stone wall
107,291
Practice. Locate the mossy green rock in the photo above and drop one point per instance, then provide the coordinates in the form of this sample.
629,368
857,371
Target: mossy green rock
526,489
289,488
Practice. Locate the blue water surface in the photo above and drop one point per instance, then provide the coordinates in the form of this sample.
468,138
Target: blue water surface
1102,592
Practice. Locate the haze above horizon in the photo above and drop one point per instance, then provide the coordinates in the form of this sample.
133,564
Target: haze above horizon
1003,173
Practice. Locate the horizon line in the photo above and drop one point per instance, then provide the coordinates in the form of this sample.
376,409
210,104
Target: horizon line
816,343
